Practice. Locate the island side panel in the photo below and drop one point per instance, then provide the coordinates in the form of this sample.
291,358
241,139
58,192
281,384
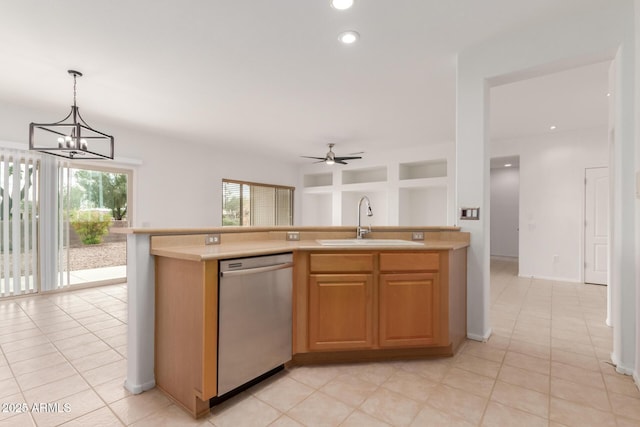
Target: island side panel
300,302
210,330
179,332
457,296
445,306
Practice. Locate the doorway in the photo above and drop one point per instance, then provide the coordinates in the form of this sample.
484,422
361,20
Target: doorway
596,224
505,206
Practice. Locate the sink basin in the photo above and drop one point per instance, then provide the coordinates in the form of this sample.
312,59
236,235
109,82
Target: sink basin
368,242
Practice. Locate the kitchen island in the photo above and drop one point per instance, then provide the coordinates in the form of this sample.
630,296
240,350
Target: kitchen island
350,302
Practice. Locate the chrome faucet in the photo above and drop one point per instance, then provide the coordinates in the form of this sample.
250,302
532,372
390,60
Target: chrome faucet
361,231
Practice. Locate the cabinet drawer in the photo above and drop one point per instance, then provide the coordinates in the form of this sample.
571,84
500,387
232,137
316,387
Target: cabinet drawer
339,262
413,261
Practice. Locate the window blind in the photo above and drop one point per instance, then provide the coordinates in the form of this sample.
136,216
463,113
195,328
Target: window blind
18,215
245,204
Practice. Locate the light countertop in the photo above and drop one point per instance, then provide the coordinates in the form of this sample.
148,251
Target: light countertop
265,247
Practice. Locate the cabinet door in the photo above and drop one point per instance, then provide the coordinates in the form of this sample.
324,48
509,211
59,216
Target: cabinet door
409,309
340,311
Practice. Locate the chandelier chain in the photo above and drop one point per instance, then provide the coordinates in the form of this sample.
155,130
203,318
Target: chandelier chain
74,89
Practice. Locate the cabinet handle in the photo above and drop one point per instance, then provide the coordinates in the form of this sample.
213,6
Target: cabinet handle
256,270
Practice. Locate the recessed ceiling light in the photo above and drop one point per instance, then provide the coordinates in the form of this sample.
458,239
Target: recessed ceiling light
552,127
507,165
341,4
608,94
349,37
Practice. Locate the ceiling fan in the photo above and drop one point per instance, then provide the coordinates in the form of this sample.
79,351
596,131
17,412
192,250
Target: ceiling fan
331,158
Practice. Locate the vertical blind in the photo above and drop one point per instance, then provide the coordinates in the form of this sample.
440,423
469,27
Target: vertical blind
19,217
245,203
64,200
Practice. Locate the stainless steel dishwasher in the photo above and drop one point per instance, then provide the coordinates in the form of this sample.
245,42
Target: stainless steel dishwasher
254,318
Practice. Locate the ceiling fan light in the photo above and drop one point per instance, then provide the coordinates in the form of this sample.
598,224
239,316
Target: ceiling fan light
330,161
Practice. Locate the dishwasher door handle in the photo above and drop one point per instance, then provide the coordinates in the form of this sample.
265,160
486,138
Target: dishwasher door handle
234,273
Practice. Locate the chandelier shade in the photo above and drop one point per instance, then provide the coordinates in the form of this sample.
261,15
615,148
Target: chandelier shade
71,137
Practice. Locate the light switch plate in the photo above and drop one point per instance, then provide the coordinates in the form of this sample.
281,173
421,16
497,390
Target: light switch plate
470,214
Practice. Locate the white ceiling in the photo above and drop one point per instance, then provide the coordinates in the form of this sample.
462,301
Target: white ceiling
569,100
271,75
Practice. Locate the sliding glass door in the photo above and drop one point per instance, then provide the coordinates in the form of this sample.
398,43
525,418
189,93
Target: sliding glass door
92,203
56,223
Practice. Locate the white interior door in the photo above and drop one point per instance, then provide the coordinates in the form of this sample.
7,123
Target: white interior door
596,225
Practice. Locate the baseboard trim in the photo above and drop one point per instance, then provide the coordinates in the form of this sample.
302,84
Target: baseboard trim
622,369
625,371
554,279
481,338
139,388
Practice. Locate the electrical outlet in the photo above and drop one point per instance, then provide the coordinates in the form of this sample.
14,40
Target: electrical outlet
417,235
293,236
212,239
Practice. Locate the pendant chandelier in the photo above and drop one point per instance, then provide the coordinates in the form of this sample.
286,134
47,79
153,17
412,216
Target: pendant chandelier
71,137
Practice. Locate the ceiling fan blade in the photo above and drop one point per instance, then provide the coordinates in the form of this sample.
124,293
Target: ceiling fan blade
332,158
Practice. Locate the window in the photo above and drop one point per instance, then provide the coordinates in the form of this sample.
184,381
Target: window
248,203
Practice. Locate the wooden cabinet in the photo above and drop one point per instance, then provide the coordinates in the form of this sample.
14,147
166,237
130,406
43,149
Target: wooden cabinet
409,309
340,311
410,299
341,263
341,301
409,261
377,300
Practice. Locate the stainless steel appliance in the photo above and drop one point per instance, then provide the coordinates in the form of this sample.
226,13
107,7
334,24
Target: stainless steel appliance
254,318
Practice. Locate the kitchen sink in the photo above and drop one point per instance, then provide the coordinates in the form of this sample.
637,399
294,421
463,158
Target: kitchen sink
368,242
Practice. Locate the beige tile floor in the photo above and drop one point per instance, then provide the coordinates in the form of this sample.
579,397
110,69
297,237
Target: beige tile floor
546,364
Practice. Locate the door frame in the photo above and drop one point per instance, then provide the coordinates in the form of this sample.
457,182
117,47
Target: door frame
584,231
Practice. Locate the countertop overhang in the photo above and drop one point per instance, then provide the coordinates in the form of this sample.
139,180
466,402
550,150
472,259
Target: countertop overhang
188,243
265,247
254,229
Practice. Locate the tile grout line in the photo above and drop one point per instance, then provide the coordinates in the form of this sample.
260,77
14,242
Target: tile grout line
81,375
24,398
69,361
606,388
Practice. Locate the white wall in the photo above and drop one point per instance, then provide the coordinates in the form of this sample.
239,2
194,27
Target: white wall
552,172
505,195
427,206
392,203
636,372
177,184
551,46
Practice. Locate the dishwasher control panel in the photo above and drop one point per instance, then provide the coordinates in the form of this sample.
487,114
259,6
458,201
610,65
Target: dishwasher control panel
255,262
